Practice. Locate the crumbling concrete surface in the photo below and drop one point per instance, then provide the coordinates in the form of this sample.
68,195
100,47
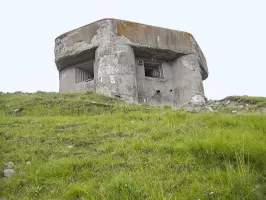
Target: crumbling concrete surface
136,62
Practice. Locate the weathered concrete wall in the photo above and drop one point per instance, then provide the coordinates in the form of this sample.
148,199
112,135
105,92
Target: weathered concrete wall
148,87
116,72
154,37
188,86
86,86
67,80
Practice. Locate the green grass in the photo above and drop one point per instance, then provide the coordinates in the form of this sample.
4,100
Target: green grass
259,101
123,151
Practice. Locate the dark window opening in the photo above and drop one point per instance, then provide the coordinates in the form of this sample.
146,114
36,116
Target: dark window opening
153,70
157,91
84,72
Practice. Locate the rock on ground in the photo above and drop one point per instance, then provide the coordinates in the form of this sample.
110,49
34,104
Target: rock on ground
9,165
8,173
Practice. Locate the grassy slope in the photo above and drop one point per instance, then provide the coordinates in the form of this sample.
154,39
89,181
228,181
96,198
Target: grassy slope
259,101
123,151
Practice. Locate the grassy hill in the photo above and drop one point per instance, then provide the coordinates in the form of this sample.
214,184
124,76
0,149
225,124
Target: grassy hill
86,146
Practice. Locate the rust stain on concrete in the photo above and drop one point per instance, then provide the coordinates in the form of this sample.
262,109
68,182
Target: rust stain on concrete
187,36
132,29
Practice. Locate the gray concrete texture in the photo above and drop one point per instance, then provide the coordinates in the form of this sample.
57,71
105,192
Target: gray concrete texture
136,62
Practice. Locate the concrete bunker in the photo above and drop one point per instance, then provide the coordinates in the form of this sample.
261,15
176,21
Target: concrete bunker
136,62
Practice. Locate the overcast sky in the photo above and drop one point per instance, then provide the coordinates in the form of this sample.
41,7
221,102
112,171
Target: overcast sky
231,34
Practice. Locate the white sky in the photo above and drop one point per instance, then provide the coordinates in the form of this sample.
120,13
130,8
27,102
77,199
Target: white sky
231,34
